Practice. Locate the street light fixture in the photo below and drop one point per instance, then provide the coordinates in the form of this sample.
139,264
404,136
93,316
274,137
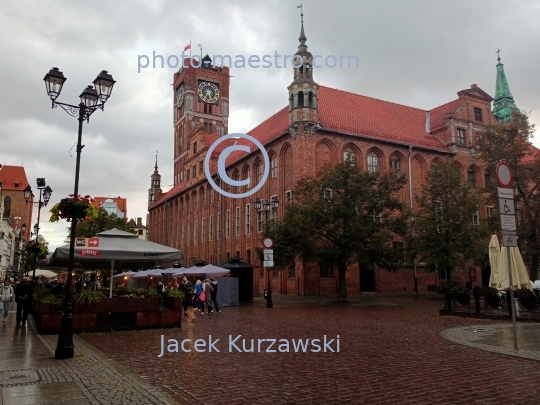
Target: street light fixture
92,99
267,206
45,192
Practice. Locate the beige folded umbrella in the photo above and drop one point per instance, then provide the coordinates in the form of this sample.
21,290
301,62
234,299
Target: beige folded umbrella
494,254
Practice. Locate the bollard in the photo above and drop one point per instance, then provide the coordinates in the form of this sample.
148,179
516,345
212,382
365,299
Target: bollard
476,294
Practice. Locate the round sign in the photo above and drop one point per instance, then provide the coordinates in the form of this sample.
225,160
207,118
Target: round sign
504,174
268,242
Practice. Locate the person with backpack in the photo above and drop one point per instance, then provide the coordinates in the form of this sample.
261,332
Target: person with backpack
6,296
206,296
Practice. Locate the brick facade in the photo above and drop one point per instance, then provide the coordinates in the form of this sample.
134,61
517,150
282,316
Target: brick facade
320,125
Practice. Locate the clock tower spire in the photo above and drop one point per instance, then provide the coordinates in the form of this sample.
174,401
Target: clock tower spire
303,91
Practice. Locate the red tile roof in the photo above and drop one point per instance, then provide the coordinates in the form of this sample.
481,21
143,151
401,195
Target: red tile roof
120,202
11,175
341,111
438,114
172,192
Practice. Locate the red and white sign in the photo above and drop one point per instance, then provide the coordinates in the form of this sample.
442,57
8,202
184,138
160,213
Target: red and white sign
93,242
89,252
268,243
504,174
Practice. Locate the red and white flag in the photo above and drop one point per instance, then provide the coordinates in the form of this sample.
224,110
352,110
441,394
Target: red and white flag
187,47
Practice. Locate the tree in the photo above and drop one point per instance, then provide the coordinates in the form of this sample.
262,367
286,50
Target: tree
445,235
103,222
511,141
342,216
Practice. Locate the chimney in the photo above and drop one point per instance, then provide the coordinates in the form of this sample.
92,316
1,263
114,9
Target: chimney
139,221
473,86
428,122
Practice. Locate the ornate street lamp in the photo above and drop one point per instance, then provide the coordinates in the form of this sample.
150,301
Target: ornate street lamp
45,192
92,99
267,206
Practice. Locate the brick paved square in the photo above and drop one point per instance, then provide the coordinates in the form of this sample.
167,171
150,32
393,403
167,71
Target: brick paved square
391,352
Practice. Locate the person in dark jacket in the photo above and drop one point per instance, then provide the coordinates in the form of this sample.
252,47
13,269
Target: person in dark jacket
24,293
186,287
159,288
213,281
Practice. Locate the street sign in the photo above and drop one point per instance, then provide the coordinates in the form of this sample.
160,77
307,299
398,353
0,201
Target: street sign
268,243
507,193
508,222
268,257
506,207
504,174
93,242
509,239
80,242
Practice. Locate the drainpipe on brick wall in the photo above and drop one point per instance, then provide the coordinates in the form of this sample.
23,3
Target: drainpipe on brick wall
412,219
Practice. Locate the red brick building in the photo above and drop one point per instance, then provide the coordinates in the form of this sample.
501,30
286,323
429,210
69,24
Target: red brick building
319,125
13,181
121,204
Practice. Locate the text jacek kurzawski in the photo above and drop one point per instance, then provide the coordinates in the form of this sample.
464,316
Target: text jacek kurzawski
238,344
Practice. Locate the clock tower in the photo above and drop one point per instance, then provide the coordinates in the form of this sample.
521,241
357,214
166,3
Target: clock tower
201,100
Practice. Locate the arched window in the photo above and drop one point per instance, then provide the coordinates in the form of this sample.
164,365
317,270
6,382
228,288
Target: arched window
373,163
310,99
205,127
7,206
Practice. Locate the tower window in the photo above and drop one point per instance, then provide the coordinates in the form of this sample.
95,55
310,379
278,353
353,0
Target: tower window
300,99
461,137
205,127
477,114
310,99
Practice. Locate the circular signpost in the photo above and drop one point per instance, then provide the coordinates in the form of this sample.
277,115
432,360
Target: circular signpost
268,243
504,174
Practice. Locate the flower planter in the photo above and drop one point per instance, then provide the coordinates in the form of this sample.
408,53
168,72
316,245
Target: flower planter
173,303
463,299
493,300
113,305
528,303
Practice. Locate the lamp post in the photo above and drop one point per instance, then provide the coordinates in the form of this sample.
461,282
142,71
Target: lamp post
267,206
92,99
45,192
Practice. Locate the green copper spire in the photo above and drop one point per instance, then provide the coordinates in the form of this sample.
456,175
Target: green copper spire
503,104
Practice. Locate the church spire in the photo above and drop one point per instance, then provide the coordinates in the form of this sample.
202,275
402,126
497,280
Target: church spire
503,104
302,48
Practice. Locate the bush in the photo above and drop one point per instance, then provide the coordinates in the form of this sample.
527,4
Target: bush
88,296
174,293
41,292
458,289
51,299
151,292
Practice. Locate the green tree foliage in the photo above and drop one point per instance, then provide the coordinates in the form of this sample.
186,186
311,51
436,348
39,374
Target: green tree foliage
511,141
103,222
444,234
342,216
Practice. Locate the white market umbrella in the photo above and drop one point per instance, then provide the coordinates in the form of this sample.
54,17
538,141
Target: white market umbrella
205,271
116,247
127,273
45,273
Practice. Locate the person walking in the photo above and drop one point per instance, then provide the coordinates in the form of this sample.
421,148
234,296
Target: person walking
186,287
214,283
208,289
6,296
23,296
198,291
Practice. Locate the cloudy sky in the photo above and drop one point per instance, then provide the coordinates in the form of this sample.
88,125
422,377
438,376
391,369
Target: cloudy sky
415,52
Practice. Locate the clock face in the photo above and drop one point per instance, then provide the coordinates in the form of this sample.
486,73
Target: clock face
180,94
208,92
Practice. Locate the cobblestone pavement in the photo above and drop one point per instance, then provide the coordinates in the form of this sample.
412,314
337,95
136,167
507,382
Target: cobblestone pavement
391,352
30,375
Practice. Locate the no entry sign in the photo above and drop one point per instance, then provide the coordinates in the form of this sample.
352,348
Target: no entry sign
504,174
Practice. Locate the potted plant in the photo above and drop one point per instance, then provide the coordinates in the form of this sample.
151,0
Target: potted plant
526,299
491,297
77,207
173,299
460,293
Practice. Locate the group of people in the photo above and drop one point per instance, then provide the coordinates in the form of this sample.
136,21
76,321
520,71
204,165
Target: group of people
201,295
22,294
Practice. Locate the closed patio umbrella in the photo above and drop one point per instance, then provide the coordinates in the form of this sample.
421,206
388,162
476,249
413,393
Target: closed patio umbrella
494,255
